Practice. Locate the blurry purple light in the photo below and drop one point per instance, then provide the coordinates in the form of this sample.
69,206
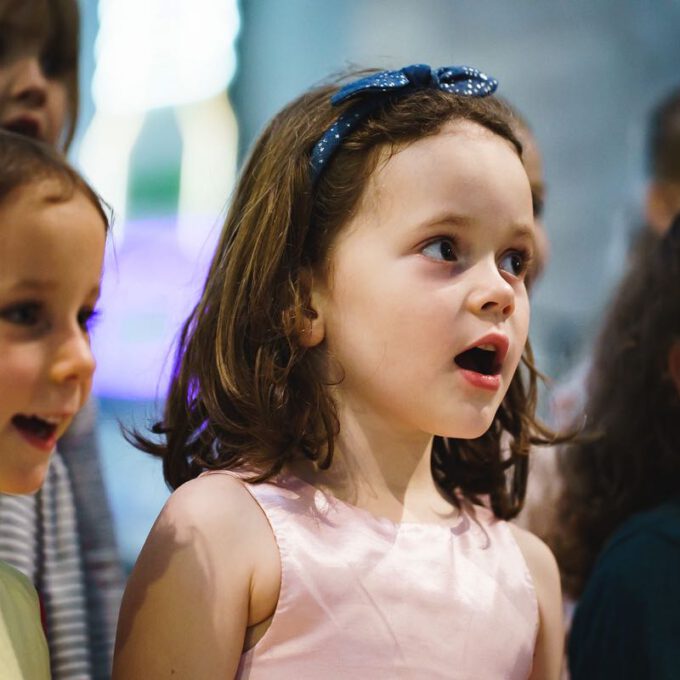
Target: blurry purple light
149,288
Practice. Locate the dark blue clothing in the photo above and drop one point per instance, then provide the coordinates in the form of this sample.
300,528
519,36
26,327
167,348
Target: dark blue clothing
627,622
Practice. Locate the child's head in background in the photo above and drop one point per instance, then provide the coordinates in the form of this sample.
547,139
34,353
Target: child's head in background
629,460
39,69
260,372
52,235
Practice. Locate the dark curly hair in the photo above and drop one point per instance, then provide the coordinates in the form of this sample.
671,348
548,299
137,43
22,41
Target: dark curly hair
246,394
628,458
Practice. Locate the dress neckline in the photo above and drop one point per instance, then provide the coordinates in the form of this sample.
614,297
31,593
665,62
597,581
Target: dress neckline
457,525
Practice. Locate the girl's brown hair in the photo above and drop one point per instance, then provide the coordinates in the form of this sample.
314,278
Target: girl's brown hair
246,394
55,26
628,459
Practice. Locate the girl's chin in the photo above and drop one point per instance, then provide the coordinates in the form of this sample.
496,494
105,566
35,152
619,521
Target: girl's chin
22,483
473,429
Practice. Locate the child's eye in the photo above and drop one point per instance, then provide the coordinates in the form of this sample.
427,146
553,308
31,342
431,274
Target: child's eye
441,249
22,314
87,318
50,65
515,262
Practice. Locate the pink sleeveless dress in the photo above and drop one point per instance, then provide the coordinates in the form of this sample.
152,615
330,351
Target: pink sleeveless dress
364,597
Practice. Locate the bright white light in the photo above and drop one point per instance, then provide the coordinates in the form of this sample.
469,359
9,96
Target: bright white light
178,55
156,53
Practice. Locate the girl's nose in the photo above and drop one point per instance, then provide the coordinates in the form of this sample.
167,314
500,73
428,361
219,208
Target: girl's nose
492,295
29,83
74,361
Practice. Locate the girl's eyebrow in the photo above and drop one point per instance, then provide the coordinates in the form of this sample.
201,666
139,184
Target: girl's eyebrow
39,285
456,220
524,232
449,218
32,284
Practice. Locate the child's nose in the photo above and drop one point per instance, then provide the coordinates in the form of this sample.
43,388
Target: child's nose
29,83
492,294
73,361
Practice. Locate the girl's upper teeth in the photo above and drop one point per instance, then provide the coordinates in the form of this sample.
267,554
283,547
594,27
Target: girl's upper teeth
487,347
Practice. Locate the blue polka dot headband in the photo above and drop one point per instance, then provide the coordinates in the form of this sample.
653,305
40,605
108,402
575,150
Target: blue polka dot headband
376,88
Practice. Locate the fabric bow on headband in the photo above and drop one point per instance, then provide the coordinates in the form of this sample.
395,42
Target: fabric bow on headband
375,88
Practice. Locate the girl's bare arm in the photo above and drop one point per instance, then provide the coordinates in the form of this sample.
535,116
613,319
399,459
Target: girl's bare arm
188,601
549,651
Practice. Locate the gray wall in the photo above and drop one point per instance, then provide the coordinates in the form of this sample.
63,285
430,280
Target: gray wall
583,73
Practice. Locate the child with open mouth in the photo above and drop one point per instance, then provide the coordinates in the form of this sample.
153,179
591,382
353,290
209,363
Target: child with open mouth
340,396
52,235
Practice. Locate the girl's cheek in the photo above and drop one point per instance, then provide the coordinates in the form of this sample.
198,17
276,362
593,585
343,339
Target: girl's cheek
58,110
18,368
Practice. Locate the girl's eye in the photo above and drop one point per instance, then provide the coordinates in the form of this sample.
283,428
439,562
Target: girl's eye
441,249
50,65
515,262
23,314
87,318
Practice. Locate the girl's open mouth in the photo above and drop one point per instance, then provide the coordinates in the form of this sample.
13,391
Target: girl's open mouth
37,431
481,366
24,126
479,360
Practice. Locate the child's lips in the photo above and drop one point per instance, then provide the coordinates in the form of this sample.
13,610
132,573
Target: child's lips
481,380
40,431
25,125
485,356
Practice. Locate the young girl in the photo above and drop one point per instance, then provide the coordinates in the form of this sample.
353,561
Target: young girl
52,232
61,538
345,380
618,529
39,69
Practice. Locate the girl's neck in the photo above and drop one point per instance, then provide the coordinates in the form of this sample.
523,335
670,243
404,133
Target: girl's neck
385,472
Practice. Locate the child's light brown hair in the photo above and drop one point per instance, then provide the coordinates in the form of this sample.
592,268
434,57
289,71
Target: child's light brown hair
25,162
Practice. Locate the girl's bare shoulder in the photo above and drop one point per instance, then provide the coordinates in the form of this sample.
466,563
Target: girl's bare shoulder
538,556
208,571
212,502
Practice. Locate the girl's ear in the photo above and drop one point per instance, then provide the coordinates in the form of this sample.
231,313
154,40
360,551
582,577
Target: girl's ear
674,364
313,327
313,330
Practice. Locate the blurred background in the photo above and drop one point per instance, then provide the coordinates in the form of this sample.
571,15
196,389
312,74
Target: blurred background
174,92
